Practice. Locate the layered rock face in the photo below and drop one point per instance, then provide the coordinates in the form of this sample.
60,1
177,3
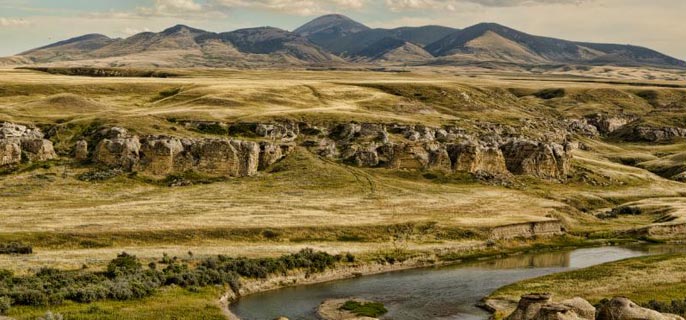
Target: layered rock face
17,140
541,307
443,149
162,155
495,153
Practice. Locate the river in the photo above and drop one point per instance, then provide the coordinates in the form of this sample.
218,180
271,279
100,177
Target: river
449,292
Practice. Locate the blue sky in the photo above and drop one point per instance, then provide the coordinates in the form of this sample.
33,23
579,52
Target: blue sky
658,24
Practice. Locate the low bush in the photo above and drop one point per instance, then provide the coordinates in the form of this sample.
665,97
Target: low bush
15,248
677,307
5,305
369,309
125,277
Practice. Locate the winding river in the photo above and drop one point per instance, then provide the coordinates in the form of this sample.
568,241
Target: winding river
449,292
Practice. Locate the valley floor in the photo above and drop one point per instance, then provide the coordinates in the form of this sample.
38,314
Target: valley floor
309,201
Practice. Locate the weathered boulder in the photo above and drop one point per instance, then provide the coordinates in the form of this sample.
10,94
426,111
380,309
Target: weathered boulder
10,152
17,140
607,124
410,156
159,155
81,150
271,153
473,157
117,149
556,311
38,149
529,306
644,133
226,157
439,159
621,308
284,131
543,160
581,307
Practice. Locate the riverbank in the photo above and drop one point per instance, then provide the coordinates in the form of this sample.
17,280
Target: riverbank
482,252
657,278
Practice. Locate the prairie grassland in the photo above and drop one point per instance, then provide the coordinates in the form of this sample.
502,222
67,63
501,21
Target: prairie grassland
304,200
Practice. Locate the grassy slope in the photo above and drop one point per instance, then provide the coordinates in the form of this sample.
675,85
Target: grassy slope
641,279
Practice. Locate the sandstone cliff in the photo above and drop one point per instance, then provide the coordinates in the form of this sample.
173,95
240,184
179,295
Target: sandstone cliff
496,152
20,143
163,155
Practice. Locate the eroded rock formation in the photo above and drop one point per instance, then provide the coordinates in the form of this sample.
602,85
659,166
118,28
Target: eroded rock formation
162,155
496,152
624,309
18,143
541,307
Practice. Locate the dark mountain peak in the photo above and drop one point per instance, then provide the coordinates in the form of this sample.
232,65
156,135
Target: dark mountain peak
180,28
332,25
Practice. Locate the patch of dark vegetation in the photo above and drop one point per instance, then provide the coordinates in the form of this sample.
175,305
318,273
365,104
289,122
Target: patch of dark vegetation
621,211
104,72
15,248
677,307
100,175
547,94
243,129
166,93
125,277
212,128
189,178
364,309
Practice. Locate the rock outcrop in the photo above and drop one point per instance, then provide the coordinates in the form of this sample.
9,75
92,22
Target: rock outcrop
537,159
624,309
446,149
497,152
645,133
19,143
541,307
163,155
528,230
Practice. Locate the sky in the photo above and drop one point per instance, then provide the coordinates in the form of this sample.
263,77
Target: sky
657,24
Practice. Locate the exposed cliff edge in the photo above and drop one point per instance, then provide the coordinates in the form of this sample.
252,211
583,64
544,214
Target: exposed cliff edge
446,149
163,155
20,143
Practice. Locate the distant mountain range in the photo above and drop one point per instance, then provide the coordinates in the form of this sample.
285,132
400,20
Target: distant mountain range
337,40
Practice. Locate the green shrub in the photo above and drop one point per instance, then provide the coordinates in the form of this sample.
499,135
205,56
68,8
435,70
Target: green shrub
369,309
126,279
5,305
124,264
677,307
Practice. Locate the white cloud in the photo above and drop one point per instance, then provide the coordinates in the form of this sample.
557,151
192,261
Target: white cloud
454,5
296,7
12,22
131,31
